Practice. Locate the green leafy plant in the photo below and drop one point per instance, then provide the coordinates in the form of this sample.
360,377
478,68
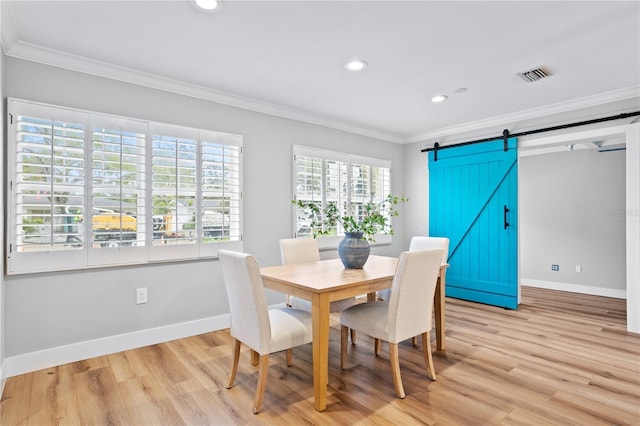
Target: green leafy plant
375,217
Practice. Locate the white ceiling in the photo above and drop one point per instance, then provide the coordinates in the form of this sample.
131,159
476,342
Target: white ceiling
286,58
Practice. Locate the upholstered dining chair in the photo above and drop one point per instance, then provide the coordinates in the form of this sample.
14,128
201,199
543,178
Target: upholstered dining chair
408,312
301,250
424,243
262,329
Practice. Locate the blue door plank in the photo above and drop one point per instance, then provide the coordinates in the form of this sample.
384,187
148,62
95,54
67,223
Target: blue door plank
472,150
503,301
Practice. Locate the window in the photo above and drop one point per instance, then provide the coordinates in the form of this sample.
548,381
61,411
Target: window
349,181
89,189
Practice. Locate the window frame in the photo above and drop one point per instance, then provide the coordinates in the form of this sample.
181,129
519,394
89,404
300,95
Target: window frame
331,241
143,249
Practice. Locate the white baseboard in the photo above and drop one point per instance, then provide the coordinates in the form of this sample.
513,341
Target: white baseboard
575,288
33,361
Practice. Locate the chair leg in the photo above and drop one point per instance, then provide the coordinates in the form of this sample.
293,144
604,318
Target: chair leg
289,354
344,331
353,336
255,357
234,362
414,340
395,369
428,359
263,372
376,346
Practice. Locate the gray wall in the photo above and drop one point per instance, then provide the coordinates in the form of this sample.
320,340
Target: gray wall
416,186
572,208
49,310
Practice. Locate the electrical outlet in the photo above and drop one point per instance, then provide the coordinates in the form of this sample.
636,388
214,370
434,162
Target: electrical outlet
578,268
141,296
555,267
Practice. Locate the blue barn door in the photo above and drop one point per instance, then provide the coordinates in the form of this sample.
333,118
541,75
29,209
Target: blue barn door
473,193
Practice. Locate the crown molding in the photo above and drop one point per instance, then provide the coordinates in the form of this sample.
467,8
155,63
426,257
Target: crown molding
59,59
502,120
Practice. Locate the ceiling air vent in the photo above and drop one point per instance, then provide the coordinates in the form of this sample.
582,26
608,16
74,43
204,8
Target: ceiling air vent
534,74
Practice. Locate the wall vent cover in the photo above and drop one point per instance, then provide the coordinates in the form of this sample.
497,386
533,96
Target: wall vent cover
534,74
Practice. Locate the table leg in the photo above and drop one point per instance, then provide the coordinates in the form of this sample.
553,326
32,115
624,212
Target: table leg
438,309
320,344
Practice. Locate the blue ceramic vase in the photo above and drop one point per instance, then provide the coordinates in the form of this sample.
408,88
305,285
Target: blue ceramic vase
353,250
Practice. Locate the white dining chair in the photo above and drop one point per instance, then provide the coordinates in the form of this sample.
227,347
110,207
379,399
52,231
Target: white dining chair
424,243
262,329
408,312
301,250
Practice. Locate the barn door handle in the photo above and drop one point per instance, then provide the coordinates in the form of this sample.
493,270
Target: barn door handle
506,210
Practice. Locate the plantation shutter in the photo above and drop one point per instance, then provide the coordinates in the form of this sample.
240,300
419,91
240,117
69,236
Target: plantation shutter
336,184
118,173
48,189
308,172
370,182
221,178
174,163
220,192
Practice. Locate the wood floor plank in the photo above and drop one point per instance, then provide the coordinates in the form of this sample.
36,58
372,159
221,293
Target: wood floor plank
522,417
560,359
147,401
127,365
196,405
16,400
161,362
39,409
100,401
59,399
207,366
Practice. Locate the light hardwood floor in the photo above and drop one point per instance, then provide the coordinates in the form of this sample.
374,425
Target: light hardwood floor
560,359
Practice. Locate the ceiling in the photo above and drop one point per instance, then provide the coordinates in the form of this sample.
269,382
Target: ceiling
287,57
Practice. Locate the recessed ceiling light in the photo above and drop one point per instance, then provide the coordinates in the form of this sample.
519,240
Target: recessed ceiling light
439,98
209,5
460,90
355,65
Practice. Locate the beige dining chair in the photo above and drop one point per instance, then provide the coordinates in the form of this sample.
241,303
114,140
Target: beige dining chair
405,314
423,243
262,329
301,250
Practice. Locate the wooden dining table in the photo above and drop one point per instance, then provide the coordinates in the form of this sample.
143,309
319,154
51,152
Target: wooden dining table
323,282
